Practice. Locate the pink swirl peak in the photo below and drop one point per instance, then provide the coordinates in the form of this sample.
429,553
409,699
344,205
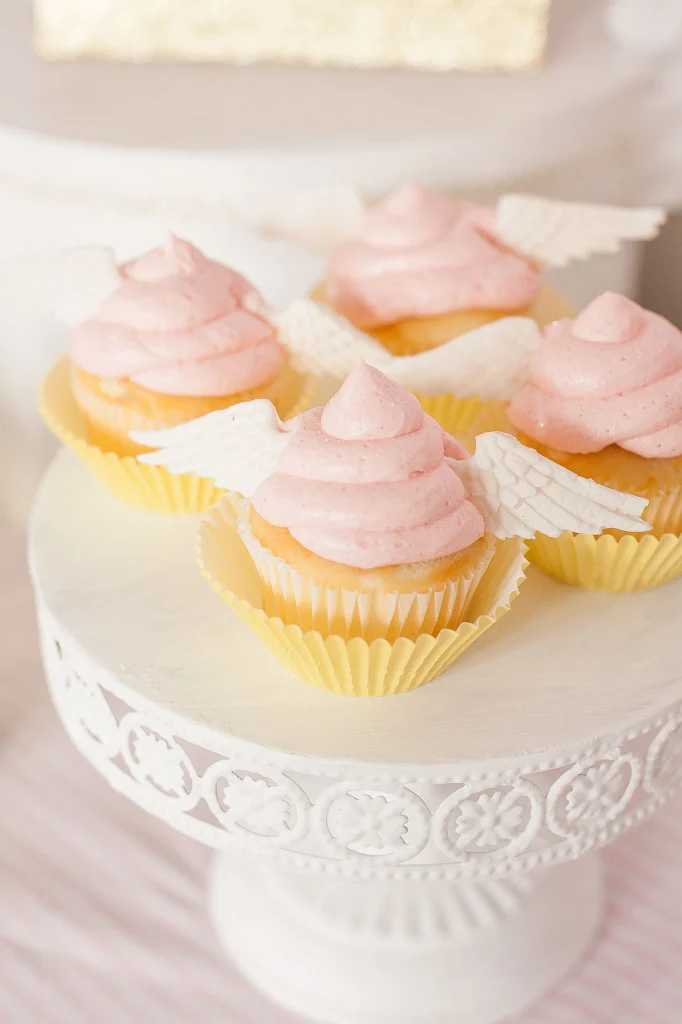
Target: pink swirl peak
612,376
364,481
179,324
422,254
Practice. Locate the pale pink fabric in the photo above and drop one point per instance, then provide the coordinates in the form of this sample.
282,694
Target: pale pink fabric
102,917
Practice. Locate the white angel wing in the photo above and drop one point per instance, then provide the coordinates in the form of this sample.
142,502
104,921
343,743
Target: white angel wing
553,233
238,447
318,218
491,362
522,493
321,341
70,284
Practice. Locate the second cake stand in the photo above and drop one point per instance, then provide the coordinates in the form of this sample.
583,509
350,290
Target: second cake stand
428,858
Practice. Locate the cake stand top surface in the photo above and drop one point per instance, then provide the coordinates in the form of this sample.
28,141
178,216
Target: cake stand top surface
564,668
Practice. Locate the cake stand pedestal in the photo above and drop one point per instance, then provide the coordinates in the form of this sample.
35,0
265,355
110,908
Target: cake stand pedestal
380,951
428,858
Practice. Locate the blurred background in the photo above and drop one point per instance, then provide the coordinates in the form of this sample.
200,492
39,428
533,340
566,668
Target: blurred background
577,99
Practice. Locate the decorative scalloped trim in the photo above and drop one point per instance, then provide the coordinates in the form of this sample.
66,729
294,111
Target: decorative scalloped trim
647,757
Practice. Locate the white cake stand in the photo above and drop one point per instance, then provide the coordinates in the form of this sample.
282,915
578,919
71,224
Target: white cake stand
420,859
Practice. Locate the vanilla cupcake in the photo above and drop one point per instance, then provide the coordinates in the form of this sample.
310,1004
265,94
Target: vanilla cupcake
176,340
162,340
368,549
605,401
426,268
364,529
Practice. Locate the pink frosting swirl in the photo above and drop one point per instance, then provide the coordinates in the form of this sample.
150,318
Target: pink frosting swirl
364,481
179,324
421,254
612,376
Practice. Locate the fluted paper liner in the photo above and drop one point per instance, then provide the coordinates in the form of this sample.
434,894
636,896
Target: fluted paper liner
296,598
350,667
151,488
619,565
664,512
455,415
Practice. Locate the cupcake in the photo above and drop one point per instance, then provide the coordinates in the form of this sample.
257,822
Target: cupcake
177,338
605,401
368,548
364,529
427,268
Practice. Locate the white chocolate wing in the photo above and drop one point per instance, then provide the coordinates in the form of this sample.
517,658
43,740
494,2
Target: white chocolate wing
321,341
554,233
319,218
237,447
522,493
70,284
491,362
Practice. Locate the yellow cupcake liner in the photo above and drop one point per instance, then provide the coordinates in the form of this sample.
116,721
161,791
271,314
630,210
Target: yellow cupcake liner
664,512
351,667
295,597
151,488
457,416
618,565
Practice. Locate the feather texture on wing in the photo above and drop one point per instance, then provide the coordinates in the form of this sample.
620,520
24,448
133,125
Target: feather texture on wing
522,493
554,233
322,341
491,362
238,447
70,284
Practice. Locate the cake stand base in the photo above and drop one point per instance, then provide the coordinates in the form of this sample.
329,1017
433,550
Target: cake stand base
395,952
